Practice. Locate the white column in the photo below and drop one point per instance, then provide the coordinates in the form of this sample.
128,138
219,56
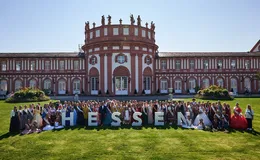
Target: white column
83,64
251,62
243,63
209,63
42,65
229,64
168,64
14,64
184,65
7,65
171,81
196,66
105,73
173,64
227,82
57,64
136,73
257,64
22,64
224,64
36,61
188,64
51,64
83,83
66,61
28,65
71,64
80,64
199,82
159,64
181,63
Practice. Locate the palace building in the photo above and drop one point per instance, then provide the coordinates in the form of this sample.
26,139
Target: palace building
123,59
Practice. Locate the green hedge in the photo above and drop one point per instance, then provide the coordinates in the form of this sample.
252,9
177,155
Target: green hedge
214,92
28,95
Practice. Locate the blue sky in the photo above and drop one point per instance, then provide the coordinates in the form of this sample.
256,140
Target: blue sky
194,25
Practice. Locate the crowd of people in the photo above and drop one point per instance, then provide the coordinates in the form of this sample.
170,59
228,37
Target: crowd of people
199,115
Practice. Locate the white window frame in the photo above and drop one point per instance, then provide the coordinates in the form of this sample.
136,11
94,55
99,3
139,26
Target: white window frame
3,66
126,31
76,64
98,33
143,33
76,86
90,35
136,31
115,31
105,32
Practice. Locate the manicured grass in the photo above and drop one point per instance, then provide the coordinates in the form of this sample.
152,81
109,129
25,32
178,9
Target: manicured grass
132,143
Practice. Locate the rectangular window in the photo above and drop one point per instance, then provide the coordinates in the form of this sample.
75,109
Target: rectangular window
247,64
105,31
18,65
149,35
147,81
61,65
3,66
47,65
32,66
94,83
233,64
178,64
220,64
192,64
90,35
136,31
206,64
76,65
98,33
126,31
143,33
115,31
163,64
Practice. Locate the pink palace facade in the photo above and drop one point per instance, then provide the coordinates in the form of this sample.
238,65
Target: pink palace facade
123,59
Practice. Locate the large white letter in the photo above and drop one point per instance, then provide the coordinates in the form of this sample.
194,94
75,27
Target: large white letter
158,118
181,119
70,118
92,118
138,119
115,119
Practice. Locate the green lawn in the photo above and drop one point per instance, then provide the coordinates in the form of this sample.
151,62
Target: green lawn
131,143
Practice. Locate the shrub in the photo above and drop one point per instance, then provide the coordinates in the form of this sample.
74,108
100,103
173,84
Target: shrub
214,92
28,95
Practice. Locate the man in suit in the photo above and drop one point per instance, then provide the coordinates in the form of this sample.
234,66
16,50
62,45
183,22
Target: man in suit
102,113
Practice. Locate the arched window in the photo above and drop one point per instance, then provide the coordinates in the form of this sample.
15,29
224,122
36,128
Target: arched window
177,86
233,85
247,84
220,82
76,86
62,87
192,85
32,83
3,85
18,85
164,86
47,84
205,83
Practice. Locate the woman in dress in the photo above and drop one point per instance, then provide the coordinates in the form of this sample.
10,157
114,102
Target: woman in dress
14,122
37,117
170,114
202,116
150,113
249,114
21,118
238,121
127,114
108,118
145,114
80,119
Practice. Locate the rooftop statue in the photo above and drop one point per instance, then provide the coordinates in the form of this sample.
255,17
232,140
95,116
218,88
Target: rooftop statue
103,20
152,26
87,25
132,20
139,20
109,20
120,21
94,24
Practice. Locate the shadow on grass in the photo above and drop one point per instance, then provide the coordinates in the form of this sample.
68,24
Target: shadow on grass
230,131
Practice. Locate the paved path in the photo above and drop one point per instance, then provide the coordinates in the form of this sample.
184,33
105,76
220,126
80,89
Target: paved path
126,98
